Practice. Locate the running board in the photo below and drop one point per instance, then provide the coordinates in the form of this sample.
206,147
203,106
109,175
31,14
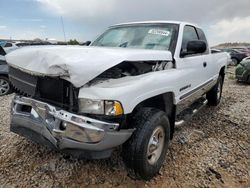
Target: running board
188,113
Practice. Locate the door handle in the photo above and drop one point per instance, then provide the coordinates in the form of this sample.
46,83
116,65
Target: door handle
204,64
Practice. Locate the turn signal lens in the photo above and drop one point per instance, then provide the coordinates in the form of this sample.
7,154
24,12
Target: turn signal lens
118,108
113,108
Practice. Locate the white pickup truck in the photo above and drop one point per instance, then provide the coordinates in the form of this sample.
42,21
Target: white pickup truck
129,87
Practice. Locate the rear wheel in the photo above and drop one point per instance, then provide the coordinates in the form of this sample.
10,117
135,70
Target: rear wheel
5,87
214,95
144,153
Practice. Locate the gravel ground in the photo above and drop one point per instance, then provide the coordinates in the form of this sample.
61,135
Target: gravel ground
213,150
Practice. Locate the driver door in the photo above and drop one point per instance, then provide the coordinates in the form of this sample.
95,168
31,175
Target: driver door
192,69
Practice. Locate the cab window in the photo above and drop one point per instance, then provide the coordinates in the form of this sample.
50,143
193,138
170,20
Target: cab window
189,34
202,37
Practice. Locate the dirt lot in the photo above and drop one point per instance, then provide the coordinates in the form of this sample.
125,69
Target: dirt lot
213,150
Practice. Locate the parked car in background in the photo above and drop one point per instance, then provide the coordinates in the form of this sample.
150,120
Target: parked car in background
5,87
229,62
9,46
2,54
214,50
236,55
242,71
246,58
245,50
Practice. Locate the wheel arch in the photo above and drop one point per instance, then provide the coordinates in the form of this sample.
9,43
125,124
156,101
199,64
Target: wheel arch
222,72
163,102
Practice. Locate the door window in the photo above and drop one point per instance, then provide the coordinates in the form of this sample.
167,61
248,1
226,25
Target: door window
202,37
189,34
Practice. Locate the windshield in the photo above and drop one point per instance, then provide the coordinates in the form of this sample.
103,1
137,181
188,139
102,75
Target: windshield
157,37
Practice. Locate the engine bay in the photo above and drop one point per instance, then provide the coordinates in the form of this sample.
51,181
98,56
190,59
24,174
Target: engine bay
134,69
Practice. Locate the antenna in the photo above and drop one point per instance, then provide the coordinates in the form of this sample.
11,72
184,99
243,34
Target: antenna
63,29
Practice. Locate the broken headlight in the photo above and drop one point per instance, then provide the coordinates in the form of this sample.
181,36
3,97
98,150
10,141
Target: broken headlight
100,107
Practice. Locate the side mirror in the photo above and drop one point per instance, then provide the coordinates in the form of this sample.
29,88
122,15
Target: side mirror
195,47
87,43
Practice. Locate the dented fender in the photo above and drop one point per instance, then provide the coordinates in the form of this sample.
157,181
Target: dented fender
132,90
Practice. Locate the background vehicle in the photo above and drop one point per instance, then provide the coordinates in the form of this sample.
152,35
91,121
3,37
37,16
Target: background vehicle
214,50
244,50
236,55
5,87
8,47
242,71
246,58
130,87
229,62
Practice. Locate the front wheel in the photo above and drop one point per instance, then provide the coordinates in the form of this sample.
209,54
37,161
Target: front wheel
214,95
145,151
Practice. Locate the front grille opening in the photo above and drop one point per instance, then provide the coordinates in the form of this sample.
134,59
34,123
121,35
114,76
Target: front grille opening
58,92
53,90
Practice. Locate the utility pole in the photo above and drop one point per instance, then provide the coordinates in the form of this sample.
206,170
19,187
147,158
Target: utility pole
63,29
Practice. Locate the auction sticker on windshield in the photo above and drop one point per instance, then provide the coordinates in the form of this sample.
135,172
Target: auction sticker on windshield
159,32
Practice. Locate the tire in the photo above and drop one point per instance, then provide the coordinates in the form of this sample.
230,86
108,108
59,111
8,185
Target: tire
214,95
235,61
5,87
137,151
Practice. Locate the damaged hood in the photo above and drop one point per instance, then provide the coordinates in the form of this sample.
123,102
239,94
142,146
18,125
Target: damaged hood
77,64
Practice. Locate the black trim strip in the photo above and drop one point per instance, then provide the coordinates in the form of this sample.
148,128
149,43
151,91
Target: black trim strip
185,87
196,89
23,81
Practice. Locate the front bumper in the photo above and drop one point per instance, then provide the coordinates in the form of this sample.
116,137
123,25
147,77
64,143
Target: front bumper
64,131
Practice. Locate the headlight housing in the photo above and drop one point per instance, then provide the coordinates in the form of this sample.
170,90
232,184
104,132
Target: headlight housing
100,107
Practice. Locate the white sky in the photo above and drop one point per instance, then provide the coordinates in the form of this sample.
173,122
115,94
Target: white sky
222,20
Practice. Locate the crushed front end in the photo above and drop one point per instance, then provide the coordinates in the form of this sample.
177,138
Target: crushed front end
45,110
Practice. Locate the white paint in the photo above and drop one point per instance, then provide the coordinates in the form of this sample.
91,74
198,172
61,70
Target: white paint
130,91
77,64
83,64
